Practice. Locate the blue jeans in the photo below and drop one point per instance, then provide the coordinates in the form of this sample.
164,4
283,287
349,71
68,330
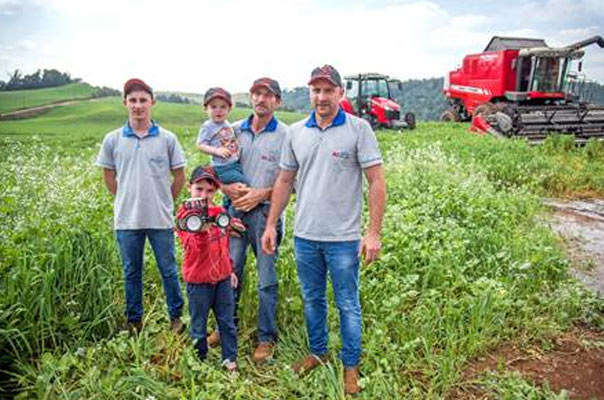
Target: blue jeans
132,245
255,221
227,174
314,260
204,297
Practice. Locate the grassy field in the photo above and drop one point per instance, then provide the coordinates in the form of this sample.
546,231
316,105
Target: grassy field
467,263
19,99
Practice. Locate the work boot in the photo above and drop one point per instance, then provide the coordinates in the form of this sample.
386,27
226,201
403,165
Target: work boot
263,352
132,327
177,326
351,380
309,363
214,339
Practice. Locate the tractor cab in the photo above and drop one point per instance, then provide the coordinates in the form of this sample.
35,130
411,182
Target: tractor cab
362,88
547,75
370,96
542,72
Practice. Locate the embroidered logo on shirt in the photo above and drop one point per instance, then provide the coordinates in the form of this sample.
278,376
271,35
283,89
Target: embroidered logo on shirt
341,155
271,156
157,159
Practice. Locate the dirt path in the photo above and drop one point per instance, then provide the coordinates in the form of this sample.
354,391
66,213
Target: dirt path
34,111
581,224
575,363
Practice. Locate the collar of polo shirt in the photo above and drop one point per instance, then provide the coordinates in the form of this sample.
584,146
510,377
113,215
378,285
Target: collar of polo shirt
340,119
246,125
128,131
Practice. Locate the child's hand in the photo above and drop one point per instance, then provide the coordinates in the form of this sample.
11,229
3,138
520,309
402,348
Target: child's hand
234,281
223,152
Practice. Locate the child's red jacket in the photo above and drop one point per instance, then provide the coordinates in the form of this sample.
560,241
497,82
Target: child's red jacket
206,253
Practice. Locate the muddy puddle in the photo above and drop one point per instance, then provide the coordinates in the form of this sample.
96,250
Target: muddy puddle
581,224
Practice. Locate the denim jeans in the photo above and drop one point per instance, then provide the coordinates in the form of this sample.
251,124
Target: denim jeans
255,221
220,298
314,260
227,174
132,245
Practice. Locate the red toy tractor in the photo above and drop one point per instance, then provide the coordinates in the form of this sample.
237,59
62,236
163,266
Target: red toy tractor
523,88
370,97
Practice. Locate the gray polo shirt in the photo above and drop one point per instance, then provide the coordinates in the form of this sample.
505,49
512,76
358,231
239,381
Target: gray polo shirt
329,180
212,134
260,152
143,169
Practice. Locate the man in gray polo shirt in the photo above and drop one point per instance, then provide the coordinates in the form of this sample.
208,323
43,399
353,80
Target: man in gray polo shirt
261,137
327,154
143,167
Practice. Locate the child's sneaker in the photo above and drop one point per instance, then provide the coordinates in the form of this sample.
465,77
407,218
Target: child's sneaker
230,366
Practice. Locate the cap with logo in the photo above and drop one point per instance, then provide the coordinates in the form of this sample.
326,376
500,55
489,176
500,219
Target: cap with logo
268,83
217,93
326,72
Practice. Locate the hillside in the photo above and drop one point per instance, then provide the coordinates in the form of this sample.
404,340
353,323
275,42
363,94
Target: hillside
20,99
78,125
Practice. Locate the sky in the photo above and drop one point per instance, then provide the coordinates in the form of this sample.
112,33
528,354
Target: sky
192,45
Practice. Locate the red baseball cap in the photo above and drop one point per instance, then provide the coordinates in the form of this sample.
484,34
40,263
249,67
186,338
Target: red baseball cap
269,83
217,93
136,84
206,172
326,72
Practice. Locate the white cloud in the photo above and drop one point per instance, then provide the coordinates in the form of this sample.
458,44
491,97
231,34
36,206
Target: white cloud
26,44
561,11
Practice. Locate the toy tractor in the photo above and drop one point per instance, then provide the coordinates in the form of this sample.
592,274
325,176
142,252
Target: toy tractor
370,97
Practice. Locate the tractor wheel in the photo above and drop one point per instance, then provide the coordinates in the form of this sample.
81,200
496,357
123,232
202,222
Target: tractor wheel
410,120
449,115
485,109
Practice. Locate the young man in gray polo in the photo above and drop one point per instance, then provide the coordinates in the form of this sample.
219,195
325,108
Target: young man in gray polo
143,167
327,154
261,136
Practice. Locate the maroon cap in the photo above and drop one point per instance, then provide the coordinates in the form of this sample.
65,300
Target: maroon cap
202,172
268,83
136,84
326,72
217,93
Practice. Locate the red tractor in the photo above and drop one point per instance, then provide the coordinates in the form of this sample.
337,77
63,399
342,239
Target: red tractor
522,88
370,97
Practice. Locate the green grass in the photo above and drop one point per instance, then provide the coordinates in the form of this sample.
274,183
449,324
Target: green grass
467,263
73,127
19,99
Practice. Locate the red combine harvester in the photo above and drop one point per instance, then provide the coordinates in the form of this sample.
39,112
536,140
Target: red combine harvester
370,97
522,88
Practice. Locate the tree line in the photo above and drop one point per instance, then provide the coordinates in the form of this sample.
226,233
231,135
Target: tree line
424,97
38,80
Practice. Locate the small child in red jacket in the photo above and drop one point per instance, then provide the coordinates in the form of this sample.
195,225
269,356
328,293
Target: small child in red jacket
207,267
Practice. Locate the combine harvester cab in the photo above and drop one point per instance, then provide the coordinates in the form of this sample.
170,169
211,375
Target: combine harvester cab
523,88
370,97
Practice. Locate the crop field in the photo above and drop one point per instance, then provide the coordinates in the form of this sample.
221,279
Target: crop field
468,262
19,99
